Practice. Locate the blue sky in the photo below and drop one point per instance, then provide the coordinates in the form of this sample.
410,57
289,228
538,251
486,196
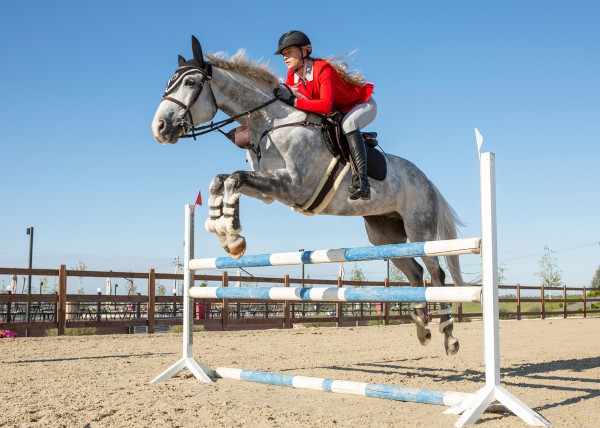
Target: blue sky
82,80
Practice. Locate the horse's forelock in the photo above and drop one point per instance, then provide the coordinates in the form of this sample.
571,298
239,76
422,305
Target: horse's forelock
239,63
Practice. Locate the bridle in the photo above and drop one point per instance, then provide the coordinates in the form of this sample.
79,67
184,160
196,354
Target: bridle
192,131
175,82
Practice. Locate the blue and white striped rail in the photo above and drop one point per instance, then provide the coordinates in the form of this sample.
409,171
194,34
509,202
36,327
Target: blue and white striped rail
416,395
378,252
334,294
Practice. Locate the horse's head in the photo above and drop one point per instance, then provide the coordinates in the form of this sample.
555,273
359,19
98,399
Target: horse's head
187,101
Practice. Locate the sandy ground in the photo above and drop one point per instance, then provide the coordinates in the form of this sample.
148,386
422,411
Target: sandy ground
103,381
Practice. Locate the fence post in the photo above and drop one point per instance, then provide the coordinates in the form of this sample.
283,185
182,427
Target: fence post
287,322
99,309
8,308
151,300
62,300
543,301
584,302
386,306
225,303
459,310
518,301
340,308
564,300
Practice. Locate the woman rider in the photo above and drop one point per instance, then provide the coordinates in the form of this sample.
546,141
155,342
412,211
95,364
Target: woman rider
328,87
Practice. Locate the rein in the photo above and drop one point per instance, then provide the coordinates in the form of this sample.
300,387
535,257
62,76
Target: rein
216,126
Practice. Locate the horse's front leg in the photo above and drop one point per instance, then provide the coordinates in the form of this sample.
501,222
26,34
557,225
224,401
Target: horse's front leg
215,206
267,185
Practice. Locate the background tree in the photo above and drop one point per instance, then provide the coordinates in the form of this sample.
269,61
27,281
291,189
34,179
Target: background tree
596,280
549,272
44,287
396,275
501,276
160,289
357,274
82,267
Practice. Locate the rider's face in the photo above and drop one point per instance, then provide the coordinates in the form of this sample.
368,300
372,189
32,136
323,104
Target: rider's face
292,57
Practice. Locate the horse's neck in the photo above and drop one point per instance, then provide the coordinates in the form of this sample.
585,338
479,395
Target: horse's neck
234,94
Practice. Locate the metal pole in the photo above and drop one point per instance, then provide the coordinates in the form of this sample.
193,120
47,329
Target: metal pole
28,306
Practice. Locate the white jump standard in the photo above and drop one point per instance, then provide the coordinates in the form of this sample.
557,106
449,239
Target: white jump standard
471,406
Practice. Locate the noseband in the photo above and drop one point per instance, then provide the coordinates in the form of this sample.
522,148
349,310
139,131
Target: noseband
176,81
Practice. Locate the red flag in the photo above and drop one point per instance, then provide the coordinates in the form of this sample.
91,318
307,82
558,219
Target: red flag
198,201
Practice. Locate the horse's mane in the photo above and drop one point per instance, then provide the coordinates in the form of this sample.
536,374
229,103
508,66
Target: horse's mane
239,63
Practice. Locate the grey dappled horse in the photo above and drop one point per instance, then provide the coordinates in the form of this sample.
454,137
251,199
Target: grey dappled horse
290,162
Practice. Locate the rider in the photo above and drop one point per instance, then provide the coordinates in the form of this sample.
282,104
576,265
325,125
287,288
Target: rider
327,87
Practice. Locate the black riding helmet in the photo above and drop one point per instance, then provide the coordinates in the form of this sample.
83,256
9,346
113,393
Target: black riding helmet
293,38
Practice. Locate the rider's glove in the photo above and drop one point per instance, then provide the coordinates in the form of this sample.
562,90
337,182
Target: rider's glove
285,95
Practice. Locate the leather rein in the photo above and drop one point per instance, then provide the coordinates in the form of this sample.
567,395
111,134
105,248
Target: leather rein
194,131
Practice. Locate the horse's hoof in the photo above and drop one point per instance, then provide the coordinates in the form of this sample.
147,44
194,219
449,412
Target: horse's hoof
425,337
237,248
223,242
452,346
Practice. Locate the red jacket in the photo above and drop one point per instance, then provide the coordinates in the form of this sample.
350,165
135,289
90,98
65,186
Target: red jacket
325,89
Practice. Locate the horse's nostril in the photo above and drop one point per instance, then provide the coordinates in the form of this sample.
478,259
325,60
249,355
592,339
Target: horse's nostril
161,125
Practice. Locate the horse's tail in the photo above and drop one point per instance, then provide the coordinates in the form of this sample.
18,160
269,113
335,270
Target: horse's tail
447,223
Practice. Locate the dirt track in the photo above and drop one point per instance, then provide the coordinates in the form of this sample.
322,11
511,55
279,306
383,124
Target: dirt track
103,381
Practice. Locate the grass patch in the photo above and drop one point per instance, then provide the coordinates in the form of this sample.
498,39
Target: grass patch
179,328
318,324
75,331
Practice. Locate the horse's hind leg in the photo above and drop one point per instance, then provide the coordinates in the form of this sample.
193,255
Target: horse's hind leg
447,320
446,327
390,230
414,274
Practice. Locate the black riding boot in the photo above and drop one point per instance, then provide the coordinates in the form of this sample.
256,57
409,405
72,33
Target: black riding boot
358,151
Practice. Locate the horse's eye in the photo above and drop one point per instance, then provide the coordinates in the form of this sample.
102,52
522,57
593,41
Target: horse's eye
190,82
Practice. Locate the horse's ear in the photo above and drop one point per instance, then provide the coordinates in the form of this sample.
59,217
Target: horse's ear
181,60
197,49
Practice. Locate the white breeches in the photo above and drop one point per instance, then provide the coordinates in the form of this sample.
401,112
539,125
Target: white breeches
360,116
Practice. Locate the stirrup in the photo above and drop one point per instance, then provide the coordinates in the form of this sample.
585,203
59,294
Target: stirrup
363,192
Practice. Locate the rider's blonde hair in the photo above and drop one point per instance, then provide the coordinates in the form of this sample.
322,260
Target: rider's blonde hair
354,77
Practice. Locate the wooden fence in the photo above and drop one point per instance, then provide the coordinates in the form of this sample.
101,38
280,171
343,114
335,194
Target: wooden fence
129,313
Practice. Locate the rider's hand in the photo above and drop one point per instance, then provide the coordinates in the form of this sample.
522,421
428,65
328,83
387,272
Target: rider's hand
285,95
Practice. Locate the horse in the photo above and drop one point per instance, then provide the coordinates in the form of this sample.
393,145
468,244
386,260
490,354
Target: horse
290,162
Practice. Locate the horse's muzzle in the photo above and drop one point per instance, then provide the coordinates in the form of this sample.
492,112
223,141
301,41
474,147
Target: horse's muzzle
165,133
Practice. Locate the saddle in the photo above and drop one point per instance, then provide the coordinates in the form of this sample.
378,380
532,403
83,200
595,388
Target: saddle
336,143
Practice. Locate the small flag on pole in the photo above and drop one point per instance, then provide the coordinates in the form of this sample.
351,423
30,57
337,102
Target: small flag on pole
479,139
198,201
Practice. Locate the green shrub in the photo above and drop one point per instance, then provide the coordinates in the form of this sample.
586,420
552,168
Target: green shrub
75,331
593,293
318,324
179,328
